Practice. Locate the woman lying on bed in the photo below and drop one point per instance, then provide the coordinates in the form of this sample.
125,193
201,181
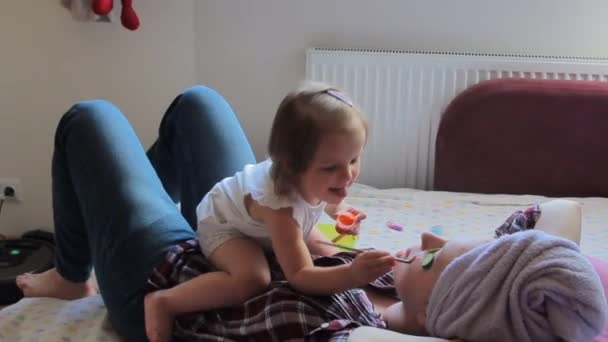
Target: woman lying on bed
114,209
525,285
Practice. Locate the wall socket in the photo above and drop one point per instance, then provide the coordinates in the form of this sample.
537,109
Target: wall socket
6,184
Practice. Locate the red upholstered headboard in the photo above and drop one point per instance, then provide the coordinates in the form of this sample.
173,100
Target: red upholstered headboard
523,136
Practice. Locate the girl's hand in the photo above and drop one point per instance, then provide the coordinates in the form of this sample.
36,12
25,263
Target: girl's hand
359,216
370,265
352,229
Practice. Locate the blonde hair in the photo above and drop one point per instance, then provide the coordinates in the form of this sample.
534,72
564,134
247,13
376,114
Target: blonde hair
302,119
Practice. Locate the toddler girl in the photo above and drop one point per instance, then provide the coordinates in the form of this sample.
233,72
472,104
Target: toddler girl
315,147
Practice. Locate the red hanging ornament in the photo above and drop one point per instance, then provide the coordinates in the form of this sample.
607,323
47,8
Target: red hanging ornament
128,17
102,7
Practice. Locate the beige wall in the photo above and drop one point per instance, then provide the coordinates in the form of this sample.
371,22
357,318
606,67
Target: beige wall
253,51
48,61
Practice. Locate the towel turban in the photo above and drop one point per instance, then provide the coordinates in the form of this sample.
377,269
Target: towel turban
528,286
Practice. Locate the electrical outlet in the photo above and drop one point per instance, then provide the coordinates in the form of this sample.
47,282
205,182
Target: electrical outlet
10,189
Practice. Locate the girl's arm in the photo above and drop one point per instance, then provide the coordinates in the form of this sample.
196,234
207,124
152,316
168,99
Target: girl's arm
296,262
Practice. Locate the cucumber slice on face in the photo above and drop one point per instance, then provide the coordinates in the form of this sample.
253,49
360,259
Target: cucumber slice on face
429,257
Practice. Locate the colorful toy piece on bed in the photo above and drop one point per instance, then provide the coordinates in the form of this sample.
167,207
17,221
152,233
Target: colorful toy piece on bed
392,225
342,230
345,222
329,230
437,230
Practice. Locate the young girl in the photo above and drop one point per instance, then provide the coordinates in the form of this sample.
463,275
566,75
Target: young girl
315,148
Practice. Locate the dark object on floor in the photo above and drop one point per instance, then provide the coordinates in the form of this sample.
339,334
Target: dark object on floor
34,252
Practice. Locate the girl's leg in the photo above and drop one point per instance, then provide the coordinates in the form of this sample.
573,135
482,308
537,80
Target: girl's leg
243,273
110,210
200,142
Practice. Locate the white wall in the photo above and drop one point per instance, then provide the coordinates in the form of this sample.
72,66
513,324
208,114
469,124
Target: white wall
253,51
250,50
48,61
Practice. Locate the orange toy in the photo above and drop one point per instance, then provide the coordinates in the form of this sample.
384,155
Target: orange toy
344,224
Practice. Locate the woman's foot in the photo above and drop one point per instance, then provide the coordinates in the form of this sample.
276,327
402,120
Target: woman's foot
159,322
51,284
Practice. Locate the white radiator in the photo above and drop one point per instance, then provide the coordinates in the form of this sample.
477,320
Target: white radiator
404,93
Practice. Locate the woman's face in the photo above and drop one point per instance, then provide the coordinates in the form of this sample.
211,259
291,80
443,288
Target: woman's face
415,283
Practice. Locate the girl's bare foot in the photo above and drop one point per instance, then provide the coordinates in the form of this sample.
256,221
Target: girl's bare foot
51,284
159,322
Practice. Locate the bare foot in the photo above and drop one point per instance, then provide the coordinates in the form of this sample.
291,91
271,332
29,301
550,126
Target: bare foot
159,322
51,284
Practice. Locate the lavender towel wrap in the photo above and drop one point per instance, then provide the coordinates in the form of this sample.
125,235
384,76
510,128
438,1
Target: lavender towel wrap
528,286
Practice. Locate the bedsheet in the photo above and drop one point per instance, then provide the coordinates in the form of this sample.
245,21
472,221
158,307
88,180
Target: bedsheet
453,215
448,214
49,319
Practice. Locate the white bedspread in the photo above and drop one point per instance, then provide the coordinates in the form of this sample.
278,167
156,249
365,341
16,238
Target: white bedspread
48,319
452,215
446,214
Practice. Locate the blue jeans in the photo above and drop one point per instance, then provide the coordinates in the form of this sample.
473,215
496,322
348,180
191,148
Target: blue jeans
114,206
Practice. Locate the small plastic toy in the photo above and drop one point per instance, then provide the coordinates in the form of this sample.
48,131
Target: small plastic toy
392,225
344,224
437,230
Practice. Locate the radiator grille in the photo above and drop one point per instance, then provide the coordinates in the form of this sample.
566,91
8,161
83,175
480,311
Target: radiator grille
405,92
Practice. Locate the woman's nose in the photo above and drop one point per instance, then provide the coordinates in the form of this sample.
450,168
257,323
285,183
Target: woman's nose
430,240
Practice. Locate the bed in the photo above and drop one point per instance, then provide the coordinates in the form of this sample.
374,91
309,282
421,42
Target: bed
502,145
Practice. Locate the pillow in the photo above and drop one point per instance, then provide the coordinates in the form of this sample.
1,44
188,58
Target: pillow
562,218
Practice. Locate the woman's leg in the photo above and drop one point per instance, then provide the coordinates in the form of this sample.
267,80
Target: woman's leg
110,210
200,142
